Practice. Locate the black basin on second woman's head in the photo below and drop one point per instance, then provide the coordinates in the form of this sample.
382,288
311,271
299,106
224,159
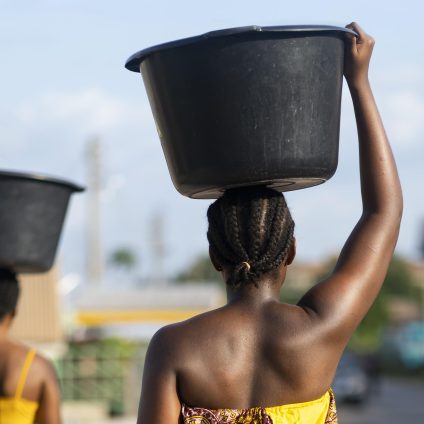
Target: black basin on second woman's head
32,211
247,106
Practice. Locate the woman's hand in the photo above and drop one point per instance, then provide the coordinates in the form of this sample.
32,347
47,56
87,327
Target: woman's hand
358,51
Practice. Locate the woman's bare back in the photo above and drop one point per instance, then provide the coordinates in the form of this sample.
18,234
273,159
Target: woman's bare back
243,355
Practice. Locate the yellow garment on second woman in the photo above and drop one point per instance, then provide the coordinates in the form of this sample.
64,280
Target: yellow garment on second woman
18,410
319,411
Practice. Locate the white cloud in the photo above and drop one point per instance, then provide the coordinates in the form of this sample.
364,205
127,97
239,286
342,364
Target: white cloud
93,111
400,95
404,117
406,75
48,133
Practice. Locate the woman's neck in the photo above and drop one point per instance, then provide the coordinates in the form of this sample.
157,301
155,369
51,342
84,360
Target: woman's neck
266,290
4,327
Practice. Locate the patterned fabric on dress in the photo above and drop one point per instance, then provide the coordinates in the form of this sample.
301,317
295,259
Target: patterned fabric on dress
225,416
301,413
332,410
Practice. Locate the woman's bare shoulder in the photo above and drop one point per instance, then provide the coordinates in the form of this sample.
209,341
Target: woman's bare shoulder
183,329
44,368
176,340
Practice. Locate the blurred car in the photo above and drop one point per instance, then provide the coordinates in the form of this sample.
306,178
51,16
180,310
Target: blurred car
352,382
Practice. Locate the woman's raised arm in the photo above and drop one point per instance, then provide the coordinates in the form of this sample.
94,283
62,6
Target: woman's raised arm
343,299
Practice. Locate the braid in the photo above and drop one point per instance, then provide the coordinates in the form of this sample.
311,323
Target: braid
257,226
233,232
277,241
223,251
251,231
240,272
282,254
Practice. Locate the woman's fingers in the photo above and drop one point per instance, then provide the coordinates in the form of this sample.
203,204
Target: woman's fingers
357,28
351,40
358,51
363,37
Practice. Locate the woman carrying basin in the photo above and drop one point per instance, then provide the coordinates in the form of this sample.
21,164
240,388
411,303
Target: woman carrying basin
256,360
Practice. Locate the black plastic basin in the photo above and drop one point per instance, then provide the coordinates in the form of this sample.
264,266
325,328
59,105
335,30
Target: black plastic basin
32,211
247,106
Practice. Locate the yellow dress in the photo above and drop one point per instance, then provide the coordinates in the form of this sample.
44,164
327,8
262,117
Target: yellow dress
17,410
319,411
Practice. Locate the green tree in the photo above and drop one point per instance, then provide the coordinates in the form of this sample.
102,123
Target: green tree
399,282
124,258
200,270
421,240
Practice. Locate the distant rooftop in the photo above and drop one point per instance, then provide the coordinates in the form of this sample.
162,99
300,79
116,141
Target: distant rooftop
163,303
178,296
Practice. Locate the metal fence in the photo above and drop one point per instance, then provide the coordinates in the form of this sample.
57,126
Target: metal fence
106,371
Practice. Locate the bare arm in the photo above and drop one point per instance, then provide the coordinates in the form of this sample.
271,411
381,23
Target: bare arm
49,403
159,402
341,301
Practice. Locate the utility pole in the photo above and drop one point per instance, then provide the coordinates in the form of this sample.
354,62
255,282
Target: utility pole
157,247
94,245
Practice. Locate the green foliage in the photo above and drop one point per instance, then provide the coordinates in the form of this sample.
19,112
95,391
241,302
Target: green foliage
421,241
98,371
399,282
290,291
367,336
328,268
200,270
123,257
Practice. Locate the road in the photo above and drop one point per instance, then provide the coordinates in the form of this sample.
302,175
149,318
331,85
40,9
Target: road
398,402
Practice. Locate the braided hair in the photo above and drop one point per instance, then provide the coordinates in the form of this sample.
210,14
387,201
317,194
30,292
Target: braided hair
250,231
9,292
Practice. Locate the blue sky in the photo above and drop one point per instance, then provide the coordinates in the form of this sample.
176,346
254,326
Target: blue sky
63,82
